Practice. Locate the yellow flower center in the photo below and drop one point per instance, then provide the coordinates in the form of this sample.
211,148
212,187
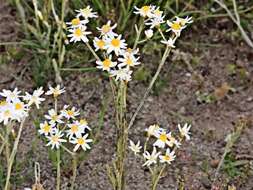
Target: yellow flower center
145,9
74,128
18,106
80,141
86,12
70,112
46,128
106,28
167,158
158,12
129,50
176,26
107,63
56,92
7,113
78,32
100,44
75,21
55,139
163,137
83,122
129,61
115,42
54,117
3,103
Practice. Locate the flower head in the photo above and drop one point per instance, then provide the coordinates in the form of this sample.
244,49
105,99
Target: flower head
184,21
99,44
154,130
149,33
115,44
145,11
168,157
185,131
75,129
69,113
107,30
128,60
151,158
135,147
77,22
46,128
86,13
175,27
169,42
106,64
79,34
53,117
35,97
123,74
55,139
11,95
55,91
162,140
81,141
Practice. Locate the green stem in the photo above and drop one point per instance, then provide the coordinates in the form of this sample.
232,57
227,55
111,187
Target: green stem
13,154
151,84
139,30
58,179
156,178
74,170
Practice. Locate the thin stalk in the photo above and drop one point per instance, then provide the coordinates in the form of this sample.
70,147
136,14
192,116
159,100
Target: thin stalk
92,51
157,178
13,154
151,84
58,156
138,35
74,170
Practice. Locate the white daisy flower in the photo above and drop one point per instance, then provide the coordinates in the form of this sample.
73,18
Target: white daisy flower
149,33
55,139
106,64
155,22
81,141
162,140
6,111
86,13
151,158
115,44
55,91
123,74
157,13
19,110
11,95
173,141
154,130
145,11
184,21
79,34
185,130
170,42
53,117
168,157
76,23
128,60
75,129
107,29
84,123
175,27
35,97
46,128
99,44
135,147
69,113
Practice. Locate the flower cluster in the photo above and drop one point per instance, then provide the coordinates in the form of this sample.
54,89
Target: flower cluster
63,126
15,107
164,141
117,57
154,17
